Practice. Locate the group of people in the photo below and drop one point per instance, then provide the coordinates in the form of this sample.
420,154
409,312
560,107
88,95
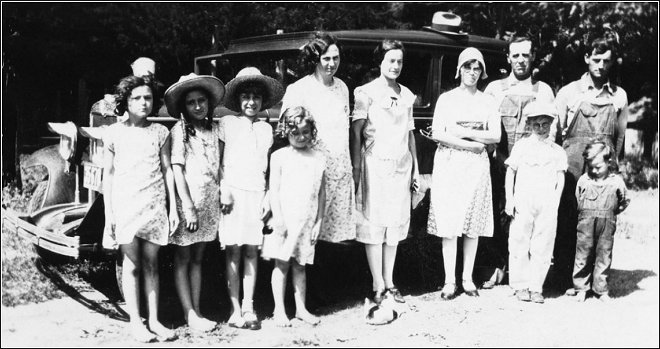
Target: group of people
339,179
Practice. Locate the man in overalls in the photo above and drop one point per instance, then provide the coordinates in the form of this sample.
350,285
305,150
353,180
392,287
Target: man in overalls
591,107
512,93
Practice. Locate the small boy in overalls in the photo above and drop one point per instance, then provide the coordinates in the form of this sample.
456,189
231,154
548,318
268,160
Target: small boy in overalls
534,182
601,196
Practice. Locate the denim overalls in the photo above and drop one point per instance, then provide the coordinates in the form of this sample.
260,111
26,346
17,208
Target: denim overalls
514,125
598,203
592,119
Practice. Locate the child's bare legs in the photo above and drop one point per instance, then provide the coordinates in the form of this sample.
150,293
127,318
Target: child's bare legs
188,280
130,288
376,263
151,288
469,253
249,280
300,292
233,256
278,284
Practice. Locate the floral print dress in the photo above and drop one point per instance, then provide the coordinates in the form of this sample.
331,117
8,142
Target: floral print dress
138,189
329,107
200,158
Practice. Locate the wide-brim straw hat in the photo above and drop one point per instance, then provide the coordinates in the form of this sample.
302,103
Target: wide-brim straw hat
274,89
212,85
468,54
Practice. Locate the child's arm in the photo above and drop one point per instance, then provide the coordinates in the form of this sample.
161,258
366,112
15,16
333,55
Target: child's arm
277,222
622,195
108,178
189,209
509,181
226,201
166,169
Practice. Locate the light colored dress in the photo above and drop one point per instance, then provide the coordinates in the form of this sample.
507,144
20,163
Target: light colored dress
300,181
245,162
383,199
330,109
200,157
461,197
138,188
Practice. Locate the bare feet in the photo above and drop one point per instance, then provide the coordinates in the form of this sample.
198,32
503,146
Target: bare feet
307,317
163,333
141,333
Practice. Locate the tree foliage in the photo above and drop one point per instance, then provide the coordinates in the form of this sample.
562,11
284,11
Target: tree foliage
54,53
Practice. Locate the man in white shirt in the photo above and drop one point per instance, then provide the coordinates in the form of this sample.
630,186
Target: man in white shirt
512,93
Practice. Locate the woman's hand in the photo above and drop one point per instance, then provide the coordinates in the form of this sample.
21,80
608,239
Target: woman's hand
478,148
316,230
428,133
226,202
414,183
190,215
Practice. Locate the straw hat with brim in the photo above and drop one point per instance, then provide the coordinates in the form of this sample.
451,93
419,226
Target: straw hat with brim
212,85
469,54
274,89
538,108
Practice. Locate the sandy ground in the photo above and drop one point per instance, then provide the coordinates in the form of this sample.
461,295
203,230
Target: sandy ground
496,319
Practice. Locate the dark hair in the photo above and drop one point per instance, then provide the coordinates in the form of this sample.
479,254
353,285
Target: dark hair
384,46
600,147
602,45
252,87
291,118
188,128
523,38
310,55
127,85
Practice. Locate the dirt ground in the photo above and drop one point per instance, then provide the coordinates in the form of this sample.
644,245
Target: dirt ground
90,318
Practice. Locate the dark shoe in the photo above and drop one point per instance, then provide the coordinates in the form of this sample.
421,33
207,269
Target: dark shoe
396,295
470,289
448,292
251,321
537,297
523,295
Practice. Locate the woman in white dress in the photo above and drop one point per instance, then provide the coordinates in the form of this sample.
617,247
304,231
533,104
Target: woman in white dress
325,97
464,122
384,166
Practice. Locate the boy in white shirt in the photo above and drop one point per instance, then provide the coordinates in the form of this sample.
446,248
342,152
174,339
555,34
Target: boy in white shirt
534,182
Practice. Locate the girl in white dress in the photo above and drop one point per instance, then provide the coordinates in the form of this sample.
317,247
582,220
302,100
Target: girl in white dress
325,97
384,166
297,201
244,148
137,179
464,122
196,163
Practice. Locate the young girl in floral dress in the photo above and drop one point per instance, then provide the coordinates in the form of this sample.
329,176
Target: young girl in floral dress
196,163
137,179
297,201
